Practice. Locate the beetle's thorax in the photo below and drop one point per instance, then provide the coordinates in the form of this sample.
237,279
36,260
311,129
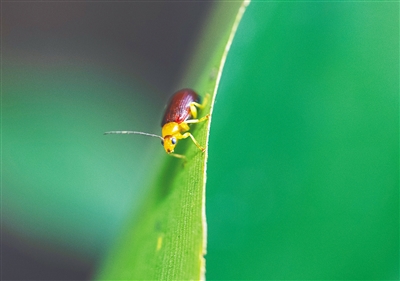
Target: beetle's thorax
170,129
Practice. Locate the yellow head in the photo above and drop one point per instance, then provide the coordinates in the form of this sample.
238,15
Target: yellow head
169,132
169,142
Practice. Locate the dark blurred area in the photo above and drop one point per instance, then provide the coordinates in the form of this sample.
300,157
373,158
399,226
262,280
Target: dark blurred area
152,41
157,36
30,260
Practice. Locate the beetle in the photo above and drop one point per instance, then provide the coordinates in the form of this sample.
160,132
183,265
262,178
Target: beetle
180,112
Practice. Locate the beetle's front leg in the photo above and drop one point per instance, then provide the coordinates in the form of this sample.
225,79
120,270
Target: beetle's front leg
185,135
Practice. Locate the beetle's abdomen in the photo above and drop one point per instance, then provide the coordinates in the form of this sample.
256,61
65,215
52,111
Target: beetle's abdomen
178,109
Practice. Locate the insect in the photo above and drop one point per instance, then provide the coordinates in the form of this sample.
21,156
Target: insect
180,112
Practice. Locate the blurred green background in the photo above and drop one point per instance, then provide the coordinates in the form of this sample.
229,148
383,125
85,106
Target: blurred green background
71,71
303,172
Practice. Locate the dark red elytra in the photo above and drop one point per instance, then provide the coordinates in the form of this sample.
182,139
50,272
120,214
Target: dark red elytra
178,109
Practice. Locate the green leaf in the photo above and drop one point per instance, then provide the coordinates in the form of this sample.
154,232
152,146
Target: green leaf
167,240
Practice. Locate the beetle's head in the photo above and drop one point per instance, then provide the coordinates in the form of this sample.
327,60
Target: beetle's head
169,142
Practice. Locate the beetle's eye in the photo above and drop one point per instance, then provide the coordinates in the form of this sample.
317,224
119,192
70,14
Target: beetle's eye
162,142
173,140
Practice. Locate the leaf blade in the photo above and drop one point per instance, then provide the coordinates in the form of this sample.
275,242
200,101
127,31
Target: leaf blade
168,240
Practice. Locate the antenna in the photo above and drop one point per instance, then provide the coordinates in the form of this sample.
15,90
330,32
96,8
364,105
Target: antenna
133,132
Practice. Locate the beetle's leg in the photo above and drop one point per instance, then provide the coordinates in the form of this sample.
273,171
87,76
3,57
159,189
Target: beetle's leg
185,135
195,105
205,101
183,127
191,121
193,109
180,156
